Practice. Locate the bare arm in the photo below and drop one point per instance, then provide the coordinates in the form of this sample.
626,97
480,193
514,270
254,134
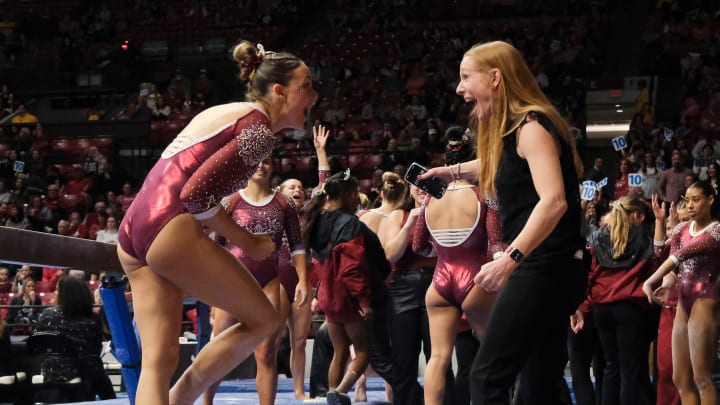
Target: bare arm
395,235
466,171
542,152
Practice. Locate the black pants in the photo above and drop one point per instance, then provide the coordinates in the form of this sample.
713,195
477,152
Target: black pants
380,355
527,333
410,332
466,347
584,351
322,354
626,330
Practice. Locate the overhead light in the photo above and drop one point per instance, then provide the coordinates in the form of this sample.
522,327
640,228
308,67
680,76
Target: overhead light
619,111
617,105
615,127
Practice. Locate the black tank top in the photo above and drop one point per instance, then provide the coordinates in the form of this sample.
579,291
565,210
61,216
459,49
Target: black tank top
517,197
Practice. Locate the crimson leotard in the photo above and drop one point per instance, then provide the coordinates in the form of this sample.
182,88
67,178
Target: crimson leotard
275,216
195,172
697,252
458,263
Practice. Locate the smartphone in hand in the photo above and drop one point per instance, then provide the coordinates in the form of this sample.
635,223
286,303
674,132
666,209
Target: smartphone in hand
434,186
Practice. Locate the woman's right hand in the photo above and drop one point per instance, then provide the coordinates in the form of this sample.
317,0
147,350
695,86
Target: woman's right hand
659,210
661,295
262,246
441,172
320,136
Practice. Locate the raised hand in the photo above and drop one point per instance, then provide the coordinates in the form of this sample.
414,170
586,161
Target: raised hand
320,136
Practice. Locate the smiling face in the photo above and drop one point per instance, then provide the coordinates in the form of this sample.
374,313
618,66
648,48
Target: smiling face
293,188
299,96
476,87
263,171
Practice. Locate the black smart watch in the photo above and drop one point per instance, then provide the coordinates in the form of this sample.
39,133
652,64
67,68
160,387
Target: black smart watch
515,254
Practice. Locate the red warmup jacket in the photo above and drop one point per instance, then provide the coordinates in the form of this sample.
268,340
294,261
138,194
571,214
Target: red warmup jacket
621,279
345,287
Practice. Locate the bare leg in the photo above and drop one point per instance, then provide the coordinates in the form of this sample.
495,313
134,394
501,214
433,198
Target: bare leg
361,389
158,319
299,325
221,321
341,353
266,354
703,337
682,367
182,254
444,319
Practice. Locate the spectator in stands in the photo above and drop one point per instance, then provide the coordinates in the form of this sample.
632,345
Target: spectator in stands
161,241
700,164
417,153
78,189
22,116
203,85
341,144
63,227
23,274
38,214
16,218
110,233
74,317
127,196
3,213
162,111
25,305
5,193
22,143
77,228
670,181
5,283
95,161
179,86
7,100
143,111
622,182
708,139
392,156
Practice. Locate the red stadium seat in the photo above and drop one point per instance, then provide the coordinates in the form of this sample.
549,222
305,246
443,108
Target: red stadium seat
43,286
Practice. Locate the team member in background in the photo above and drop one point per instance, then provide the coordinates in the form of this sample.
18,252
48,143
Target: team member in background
694,249
260,209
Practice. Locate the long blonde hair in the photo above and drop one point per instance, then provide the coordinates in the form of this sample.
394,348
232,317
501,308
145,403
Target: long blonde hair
620,222
517,95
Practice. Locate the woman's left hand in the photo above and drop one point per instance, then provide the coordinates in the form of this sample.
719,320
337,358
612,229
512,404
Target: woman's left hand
494,274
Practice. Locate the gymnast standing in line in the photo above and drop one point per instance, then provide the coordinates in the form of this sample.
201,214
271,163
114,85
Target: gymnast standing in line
163,249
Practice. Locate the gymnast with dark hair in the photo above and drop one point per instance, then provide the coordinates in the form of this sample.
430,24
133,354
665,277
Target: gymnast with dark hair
163,249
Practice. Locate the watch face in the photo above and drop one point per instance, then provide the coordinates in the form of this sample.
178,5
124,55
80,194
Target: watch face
516,255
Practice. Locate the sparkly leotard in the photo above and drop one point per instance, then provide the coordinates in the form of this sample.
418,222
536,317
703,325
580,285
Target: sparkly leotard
195,172
275,216
697,253
461,252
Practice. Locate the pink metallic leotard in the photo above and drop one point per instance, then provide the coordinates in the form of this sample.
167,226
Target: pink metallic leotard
275,216
194,173
697,253
459,261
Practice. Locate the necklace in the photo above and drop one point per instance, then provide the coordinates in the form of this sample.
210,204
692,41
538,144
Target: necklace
453,187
